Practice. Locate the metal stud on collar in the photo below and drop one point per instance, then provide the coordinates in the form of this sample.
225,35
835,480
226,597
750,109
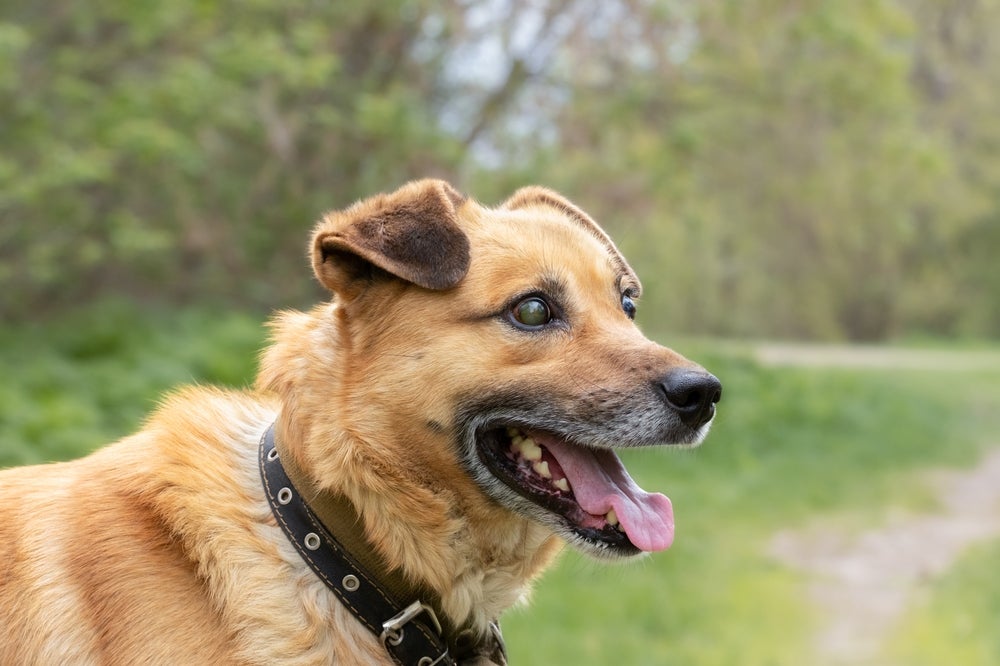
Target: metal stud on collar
311,541
351,583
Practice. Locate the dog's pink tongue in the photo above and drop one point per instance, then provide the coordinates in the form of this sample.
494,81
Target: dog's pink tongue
600,482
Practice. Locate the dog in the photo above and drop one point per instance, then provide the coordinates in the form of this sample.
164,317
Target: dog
444,425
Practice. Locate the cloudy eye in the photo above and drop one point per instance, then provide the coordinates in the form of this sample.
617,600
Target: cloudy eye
628,305
532,312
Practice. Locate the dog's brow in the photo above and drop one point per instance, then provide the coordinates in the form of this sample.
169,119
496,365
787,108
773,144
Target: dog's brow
553,286
627,285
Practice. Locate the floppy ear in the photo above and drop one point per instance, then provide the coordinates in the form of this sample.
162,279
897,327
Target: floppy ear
411,233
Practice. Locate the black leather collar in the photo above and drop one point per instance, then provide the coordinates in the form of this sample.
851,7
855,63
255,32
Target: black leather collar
407,620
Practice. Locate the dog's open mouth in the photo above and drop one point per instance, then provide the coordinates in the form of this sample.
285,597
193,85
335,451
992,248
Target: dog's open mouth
588,488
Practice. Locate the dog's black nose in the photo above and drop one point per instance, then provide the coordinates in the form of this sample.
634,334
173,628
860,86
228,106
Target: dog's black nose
692,394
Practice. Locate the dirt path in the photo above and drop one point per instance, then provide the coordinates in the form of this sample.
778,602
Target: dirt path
875,357
863,583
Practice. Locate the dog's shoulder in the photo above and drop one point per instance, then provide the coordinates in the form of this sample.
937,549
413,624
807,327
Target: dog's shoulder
120,539
200,441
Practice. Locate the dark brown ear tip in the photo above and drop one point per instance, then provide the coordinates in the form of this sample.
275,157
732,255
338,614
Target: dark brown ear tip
453,271
442,280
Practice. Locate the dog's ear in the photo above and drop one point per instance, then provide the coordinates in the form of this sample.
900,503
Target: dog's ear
411,233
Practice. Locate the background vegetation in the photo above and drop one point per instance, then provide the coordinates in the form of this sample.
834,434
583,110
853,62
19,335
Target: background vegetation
774,169
797,169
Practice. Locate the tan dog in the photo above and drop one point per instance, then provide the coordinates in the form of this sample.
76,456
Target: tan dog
462,391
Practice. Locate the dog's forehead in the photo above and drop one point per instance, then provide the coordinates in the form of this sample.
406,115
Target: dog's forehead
540,240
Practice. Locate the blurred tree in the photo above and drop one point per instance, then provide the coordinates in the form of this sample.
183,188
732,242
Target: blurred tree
792,174
798,169
956,74
183,147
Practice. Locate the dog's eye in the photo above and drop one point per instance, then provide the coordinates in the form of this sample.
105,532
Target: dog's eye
532,312
628,305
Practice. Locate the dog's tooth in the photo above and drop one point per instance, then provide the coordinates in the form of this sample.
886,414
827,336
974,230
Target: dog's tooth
515,446
530,450
561,484
611,517
542,469
512,431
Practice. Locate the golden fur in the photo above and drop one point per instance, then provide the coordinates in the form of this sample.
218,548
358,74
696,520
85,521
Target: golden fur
161,548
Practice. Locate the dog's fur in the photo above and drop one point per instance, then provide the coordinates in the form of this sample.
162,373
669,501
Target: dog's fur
161,548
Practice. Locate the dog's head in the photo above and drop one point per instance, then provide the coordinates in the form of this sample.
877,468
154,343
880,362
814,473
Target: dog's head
489,357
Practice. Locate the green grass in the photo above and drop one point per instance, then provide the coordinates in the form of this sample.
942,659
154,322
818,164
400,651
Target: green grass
789,445
958,621
82,381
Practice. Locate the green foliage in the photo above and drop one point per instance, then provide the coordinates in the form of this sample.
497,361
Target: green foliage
794,169
92,377
190,145
811,169
787,179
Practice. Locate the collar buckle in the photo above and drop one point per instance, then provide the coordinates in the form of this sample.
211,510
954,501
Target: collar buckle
392,629
393,632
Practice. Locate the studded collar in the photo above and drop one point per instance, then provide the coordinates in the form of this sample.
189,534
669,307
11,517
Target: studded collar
327,534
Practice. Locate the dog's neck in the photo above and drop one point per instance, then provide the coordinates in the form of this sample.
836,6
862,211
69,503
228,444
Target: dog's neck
341,519
327,532
430,528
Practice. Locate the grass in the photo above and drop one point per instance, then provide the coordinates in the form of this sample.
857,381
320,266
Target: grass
952,624
93,376
788,445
